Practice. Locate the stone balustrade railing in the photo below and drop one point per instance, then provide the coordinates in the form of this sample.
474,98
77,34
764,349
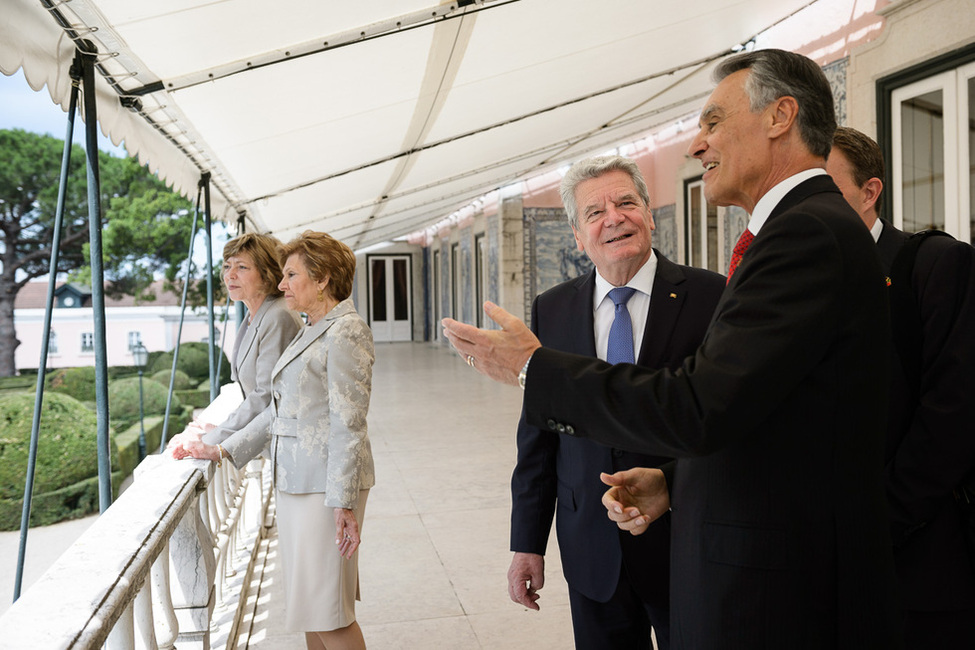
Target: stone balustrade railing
151,569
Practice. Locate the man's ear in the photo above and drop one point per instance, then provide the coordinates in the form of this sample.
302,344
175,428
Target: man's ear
870,192
783,113
579,246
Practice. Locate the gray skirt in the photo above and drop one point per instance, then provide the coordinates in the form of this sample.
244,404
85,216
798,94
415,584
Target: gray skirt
320,586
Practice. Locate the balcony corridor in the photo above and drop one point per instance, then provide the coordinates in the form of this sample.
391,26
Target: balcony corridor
435,553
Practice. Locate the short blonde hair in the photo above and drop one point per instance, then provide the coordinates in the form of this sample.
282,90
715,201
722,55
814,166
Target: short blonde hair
263,249
324,257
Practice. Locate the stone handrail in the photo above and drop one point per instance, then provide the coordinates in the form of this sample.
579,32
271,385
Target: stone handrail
151,568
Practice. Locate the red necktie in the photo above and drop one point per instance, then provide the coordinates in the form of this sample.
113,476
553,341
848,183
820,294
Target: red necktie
743,243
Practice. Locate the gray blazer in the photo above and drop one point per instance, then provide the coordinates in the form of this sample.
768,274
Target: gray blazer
316,421
261,345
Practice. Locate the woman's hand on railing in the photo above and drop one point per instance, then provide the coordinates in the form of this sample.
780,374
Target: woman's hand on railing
346,532
197,449
176,444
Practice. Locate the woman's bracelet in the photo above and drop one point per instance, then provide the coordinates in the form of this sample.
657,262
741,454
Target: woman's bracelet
219,455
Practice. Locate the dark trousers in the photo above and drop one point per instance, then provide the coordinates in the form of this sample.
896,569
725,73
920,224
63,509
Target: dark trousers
622,623
940,630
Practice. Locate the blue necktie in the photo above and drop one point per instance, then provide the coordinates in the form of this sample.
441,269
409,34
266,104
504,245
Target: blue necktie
620,347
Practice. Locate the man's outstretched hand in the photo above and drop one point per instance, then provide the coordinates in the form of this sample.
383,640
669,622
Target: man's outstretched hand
498,354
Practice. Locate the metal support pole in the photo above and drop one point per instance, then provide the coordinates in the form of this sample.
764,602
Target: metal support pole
142,422
46,337
97,276
205,183
179,331
223,335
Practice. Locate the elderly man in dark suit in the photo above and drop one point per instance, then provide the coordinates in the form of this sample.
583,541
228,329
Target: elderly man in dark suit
618,583
779,523
930,445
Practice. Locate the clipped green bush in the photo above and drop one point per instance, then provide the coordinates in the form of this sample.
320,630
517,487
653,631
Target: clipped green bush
123,401
79,383
194,361
65,474
183,380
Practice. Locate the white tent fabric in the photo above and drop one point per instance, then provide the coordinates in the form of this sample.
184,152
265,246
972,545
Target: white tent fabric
371,120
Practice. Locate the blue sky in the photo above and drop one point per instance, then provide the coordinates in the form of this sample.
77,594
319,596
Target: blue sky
22,108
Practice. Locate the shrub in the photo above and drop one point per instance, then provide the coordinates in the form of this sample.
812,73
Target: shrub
123,401
66,448
183,380
79,383
193,360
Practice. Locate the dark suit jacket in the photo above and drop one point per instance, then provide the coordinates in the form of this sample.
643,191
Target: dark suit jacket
566,471
930,437
780,534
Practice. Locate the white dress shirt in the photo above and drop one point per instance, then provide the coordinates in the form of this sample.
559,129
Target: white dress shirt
604,311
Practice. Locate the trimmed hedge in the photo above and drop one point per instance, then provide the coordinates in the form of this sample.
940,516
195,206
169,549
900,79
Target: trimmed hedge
194,361
79,383
197,398
66,459
123,401
183,380
67,433
80,498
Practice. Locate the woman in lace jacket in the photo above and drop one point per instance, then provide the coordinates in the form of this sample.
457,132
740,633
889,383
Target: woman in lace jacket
315,428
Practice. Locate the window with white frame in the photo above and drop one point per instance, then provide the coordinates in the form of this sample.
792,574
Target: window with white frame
135,338
703,240
87,342
52,342
930,132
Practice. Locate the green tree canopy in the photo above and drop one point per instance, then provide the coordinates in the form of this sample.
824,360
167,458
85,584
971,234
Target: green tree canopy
145,231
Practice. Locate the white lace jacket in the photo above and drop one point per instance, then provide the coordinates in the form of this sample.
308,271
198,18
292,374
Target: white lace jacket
316,422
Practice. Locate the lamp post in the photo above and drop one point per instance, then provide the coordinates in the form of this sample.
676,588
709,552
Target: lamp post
140,357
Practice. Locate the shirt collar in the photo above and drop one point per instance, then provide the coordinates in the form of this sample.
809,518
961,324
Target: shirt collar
771,199
878,227
642,280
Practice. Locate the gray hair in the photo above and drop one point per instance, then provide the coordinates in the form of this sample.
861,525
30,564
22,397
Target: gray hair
777,73
594,168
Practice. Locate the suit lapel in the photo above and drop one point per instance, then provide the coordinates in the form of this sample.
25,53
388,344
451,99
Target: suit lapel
310,333
582,334
250,334
666,300
801,192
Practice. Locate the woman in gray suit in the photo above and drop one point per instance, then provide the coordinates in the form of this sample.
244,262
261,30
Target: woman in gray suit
251,273
315,427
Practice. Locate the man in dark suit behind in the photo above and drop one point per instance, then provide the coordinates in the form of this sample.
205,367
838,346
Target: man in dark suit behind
618,583
779,523
930,441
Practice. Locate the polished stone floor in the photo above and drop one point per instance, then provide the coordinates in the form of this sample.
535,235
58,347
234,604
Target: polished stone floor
435,553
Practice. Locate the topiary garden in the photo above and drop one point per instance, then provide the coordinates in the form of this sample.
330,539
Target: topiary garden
65,475
66,472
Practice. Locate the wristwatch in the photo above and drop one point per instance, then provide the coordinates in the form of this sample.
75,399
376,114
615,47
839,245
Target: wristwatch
523,374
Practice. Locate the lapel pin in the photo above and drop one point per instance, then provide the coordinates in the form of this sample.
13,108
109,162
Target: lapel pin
673,295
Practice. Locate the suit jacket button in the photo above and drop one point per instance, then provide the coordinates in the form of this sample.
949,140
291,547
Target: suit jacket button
569,429
560,428
550,423
617,453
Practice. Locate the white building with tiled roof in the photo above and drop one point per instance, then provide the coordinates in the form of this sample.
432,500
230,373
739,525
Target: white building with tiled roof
155,324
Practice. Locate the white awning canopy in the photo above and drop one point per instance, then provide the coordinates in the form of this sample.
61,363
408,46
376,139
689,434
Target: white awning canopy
371,120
